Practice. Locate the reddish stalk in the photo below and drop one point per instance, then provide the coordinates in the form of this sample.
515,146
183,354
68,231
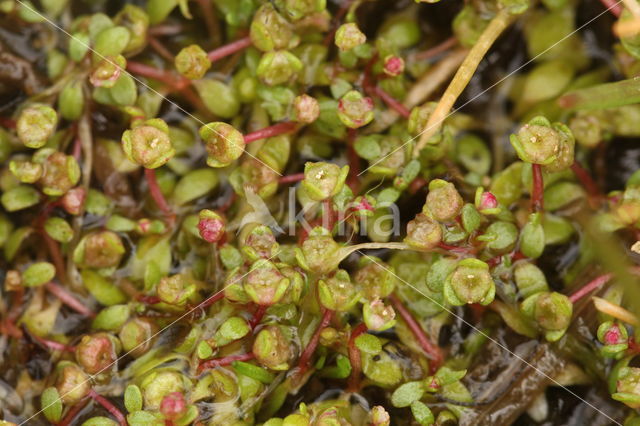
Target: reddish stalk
229,49
8,326
354,161
257,316
148,300
305,357
221,362
271,131
417,184
392,102
614,7
160,49
56,256
291,178
166,77
7,123
73,412
537,191
454,249
586,180
68,299
437,49
433,351
53,345
107,405
337,19
161,30
353,383
590,286
156,193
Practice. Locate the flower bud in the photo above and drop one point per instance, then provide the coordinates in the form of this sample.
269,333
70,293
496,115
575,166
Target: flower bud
107,71
423,232
73,200
278,67
148,144
349,36
36,124
379,417
192,62
147,226
306,109
211,226
375,278
444,203
265,284
355,110
97,353
72,383
393,66
470,282
338,293
587,129
627,390
136,21
224,144
137,336
270,31
319,252
159,384
614,338
540,142
173,406
101,249
260,243
486,202
377,316
323,180
61,173
176,290
552,311
272,348
298,9
26,171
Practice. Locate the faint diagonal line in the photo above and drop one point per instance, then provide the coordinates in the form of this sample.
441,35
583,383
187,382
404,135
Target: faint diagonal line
49,21
490,338
435,125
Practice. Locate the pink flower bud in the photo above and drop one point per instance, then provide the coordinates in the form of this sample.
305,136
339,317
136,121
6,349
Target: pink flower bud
73,200
173,406
488,201
211,226
393,65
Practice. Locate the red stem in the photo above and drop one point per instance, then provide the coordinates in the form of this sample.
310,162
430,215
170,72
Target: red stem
53,345
7,123
291,178
211,299
166,77
354,358
107,405
586,180
537,192
221,362
229,49
56,256
305,357
257,316
337,18
433,351
68,299
437,49
73,412
156,193
271,131
148,300
392,102
160,30
160,49
589,287
614,7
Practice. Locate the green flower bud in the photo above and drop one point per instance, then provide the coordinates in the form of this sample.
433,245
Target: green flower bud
444,203
278,67
614,338
272,348
210,226
192,62
72,383
36,124
377,316
338,293
37,274
529,279
264,283
587,129
157,385
97,353
20,197
318,252
470,282
270,31
349,36
628,387
136,21
137,336
260,243
61,173
378,416
540,142
107,71
101,249
323,180
423,232
552,311
306,109
298,9
26,171
532,237
148,144
375,278
177,289
501,237
355,110
224,144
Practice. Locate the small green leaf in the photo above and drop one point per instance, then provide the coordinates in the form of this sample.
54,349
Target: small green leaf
422,413
195,184
111,42
253,371
204,350
234,328
51,405
133,398
219,98
368,343
58,229
407,393
19,198
111,318
103,290
100,421
38,274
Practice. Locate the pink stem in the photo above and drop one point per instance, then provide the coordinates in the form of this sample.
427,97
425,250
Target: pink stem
107,405
257,316
53,345
392,102
221,362
56,256
303,362
354,358
156,193
160,49
614,7
537,192
585,179
73,412
291,178
437,49
68,299
432,351
229,49
160,30
211,299
166,77
271,131
589,287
